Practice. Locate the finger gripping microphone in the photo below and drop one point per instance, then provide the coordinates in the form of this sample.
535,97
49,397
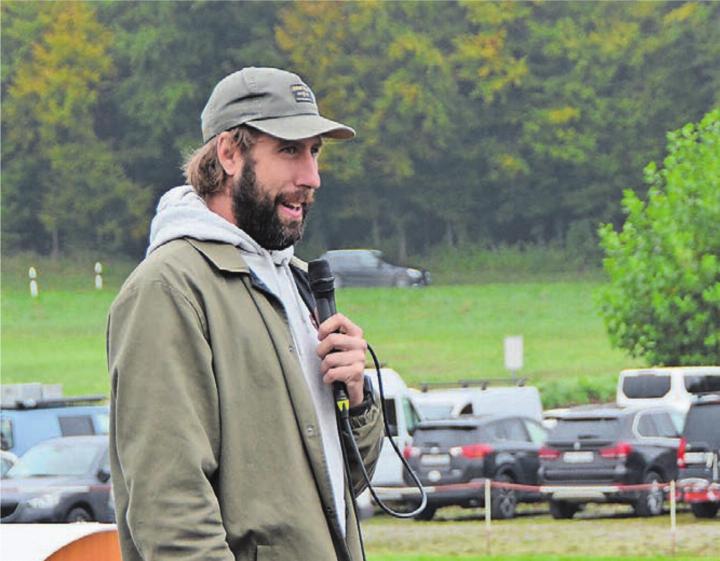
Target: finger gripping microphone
323,289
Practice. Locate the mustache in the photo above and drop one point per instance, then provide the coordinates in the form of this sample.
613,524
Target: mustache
301,197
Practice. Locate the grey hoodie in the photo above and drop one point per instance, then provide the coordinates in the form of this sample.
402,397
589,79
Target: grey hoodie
181,213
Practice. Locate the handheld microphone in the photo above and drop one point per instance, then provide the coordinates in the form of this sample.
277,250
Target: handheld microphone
323,289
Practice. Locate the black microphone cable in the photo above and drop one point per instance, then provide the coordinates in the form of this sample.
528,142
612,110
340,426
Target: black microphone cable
322,286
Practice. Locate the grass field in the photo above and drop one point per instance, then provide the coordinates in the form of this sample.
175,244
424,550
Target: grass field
441,333
602,532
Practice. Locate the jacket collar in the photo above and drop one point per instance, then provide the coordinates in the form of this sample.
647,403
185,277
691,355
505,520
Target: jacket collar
223,256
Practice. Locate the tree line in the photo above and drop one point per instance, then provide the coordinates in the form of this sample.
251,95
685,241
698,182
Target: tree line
479,123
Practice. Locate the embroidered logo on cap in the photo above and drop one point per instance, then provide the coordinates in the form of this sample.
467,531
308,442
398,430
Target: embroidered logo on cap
302,93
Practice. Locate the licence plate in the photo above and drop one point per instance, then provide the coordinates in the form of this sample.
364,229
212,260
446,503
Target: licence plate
699,458
578,457
435,460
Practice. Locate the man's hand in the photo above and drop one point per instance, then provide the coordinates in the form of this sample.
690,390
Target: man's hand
342,350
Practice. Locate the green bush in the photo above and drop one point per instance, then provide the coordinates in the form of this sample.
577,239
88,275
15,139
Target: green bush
663,300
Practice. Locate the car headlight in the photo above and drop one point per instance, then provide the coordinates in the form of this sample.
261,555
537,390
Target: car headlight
414,274
50,500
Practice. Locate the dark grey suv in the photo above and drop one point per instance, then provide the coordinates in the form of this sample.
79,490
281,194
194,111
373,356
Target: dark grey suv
60,480
446,454
366,267
594,451
699,456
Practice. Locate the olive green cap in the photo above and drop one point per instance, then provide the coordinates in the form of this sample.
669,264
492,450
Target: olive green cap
273,101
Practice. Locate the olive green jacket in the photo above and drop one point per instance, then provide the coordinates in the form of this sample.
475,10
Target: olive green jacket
214,442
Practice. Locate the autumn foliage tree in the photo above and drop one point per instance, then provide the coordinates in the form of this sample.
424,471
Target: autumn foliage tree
663,299
55,166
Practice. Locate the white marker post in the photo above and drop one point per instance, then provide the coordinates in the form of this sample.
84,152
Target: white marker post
673,519
98,276
32,273
488,516
514,354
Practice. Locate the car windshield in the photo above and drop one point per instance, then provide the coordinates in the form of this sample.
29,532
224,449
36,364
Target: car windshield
585,429
433,412
646,386
56,459
703,383
701,425
446,436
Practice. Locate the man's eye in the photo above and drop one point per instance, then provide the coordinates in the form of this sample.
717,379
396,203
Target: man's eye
290,149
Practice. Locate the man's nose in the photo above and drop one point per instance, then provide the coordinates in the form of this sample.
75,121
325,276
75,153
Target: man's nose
308,173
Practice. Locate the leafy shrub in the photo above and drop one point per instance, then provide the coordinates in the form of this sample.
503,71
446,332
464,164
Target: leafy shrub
663,300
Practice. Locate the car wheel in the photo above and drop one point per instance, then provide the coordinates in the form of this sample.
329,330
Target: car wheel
503,501
427,513
78,514
401,281
563,510
650,503
705,510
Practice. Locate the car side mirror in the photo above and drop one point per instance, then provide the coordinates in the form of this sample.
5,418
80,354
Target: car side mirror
103,474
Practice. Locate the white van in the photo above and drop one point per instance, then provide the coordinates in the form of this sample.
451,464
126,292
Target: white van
402,418
454,402
676,386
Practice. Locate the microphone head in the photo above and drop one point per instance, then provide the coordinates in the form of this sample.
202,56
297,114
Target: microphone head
320,275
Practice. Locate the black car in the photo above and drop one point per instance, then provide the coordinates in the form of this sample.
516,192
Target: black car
60,480
699,456
445,454
366,267
592,452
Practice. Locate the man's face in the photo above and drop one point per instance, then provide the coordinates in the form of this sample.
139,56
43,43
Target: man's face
275,190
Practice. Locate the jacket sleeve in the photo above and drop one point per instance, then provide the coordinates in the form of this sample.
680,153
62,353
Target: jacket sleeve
367,429
165,432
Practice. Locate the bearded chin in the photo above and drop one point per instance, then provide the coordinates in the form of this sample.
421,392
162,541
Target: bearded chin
257,214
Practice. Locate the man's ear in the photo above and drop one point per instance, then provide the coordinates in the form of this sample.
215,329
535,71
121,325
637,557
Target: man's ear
228,154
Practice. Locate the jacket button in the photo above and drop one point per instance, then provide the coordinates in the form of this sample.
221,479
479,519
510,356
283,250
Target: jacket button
310,430
291,349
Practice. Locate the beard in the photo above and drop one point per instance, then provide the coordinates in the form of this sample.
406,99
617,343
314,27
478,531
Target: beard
256,213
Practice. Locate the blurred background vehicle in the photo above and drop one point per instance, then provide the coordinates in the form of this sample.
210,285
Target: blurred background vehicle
671,386
470,449
477,397
7,460
366,267
402,418
593,449
31,413
59,480
699,455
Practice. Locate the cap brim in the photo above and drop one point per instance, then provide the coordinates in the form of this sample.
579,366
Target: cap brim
297,127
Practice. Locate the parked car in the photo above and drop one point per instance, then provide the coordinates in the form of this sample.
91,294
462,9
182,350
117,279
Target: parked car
699,455
593,450
7,460
467,450
675,386
30,415
366,267
59,480
454,402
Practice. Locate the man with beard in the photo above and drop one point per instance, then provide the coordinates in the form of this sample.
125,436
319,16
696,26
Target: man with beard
224,438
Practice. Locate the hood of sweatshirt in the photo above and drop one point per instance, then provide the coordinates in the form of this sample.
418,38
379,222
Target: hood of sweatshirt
182,213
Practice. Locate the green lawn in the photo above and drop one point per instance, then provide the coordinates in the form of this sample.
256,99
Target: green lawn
441,333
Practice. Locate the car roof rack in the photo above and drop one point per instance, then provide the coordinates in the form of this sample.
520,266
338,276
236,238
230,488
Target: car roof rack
70,401
482,383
